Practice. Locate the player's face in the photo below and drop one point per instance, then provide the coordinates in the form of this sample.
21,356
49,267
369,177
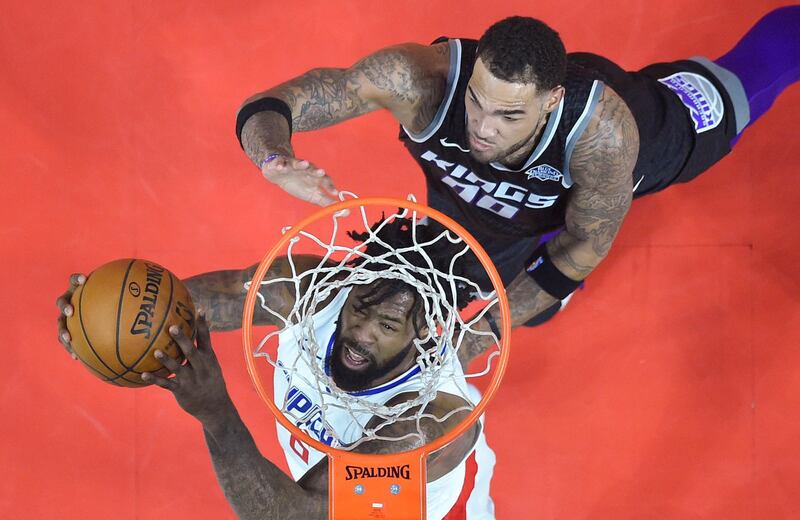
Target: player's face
504,119
374,343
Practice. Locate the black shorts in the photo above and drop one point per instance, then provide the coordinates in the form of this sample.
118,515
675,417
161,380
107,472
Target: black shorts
687,113
711,118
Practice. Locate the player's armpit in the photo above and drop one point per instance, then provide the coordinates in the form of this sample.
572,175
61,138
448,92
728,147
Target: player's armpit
601,167
316,479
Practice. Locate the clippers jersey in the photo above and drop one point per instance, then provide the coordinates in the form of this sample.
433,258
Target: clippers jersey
297,387
682,110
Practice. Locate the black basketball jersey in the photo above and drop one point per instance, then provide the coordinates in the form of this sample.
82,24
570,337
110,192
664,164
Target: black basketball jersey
497,204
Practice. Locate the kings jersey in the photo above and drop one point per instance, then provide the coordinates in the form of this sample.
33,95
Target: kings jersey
495,201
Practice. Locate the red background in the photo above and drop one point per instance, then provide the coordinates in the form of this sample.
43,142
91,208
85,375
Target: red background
666,390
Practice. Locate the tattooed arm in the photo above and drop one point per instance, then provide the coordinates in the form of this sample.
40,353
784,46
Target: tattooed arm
220,294
601,167
255,488
409,80
253,485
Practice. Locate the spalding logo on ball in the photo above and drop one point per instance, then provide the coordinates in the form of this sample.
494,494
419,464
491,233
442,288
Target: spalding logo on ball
123,313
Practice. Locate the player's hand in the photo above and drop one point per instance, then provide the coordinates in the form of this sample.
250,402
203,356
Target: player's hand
301,179
198,385
65,310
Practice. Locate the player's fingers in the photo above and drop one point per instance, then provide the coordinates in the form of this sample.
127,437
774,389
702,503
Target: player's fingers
64,337
64,305
63,333
163,382
169,363
63,301
186,344
328,184
320,199
203,335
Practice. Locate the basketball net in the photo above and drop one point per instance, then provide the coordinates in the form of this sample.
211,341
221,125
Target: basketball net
345,263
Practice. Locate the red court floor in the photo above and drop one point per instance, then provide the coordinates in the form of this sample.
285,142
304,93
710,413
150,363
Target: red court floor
667,390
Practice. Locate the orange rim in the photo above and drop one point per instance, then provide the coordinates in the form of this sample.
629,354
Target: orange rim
266,262
417,454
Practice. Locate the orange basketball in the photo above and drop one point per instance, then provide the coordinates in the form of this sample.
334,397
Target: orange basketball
122,315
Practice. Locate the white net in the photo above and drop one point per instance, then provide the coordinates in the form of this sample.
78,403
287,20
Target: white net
299,350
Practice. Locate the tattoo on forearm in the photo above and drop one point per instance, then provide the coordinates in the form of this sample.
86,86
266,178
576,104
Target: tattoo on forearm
526,300
393,78
322,97
265,133
221,295
318,98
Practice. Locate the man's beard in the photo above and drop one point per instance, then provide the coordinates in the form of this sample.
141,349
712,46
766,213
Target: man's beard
354,381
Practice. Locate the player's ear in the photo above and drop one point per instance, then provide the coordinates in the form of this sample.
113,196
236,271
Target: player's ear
554,97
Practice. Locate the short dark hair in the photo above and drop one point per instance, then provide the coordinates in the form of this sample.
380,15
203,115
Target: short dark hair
398,233
524,50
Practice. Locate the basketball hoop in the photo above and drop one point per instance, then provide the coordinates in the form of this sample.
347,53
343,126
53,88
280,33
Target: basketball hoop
397,484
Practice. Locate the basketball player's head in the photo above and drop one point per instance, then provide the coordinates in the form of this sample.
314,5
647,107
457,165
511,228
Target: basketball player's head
516,82
379,323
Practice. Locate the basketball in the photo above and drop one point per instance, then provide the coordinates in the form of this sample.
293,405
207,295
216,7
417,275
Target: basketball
122,314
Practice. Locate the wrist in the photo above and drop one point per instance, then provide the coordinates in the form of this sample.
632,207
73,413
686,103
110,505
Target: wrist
260,106
548,277
267,159
218,418
492,324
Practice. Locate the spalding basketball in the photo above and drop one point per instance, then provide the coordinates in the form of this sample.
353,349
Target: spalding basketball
122,314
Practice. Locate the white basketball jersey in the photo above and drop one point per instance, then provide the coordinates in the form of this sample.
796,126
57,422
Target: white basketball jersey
305,397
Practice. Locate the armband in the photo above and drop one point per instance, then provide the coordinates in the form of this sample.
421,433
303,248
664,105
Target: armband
550,279
265,104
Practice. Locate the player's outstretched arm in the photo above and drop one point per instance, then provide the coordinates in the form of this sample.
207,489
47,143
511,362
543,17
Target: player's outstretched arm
221,294
255,488
601,167
408,80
